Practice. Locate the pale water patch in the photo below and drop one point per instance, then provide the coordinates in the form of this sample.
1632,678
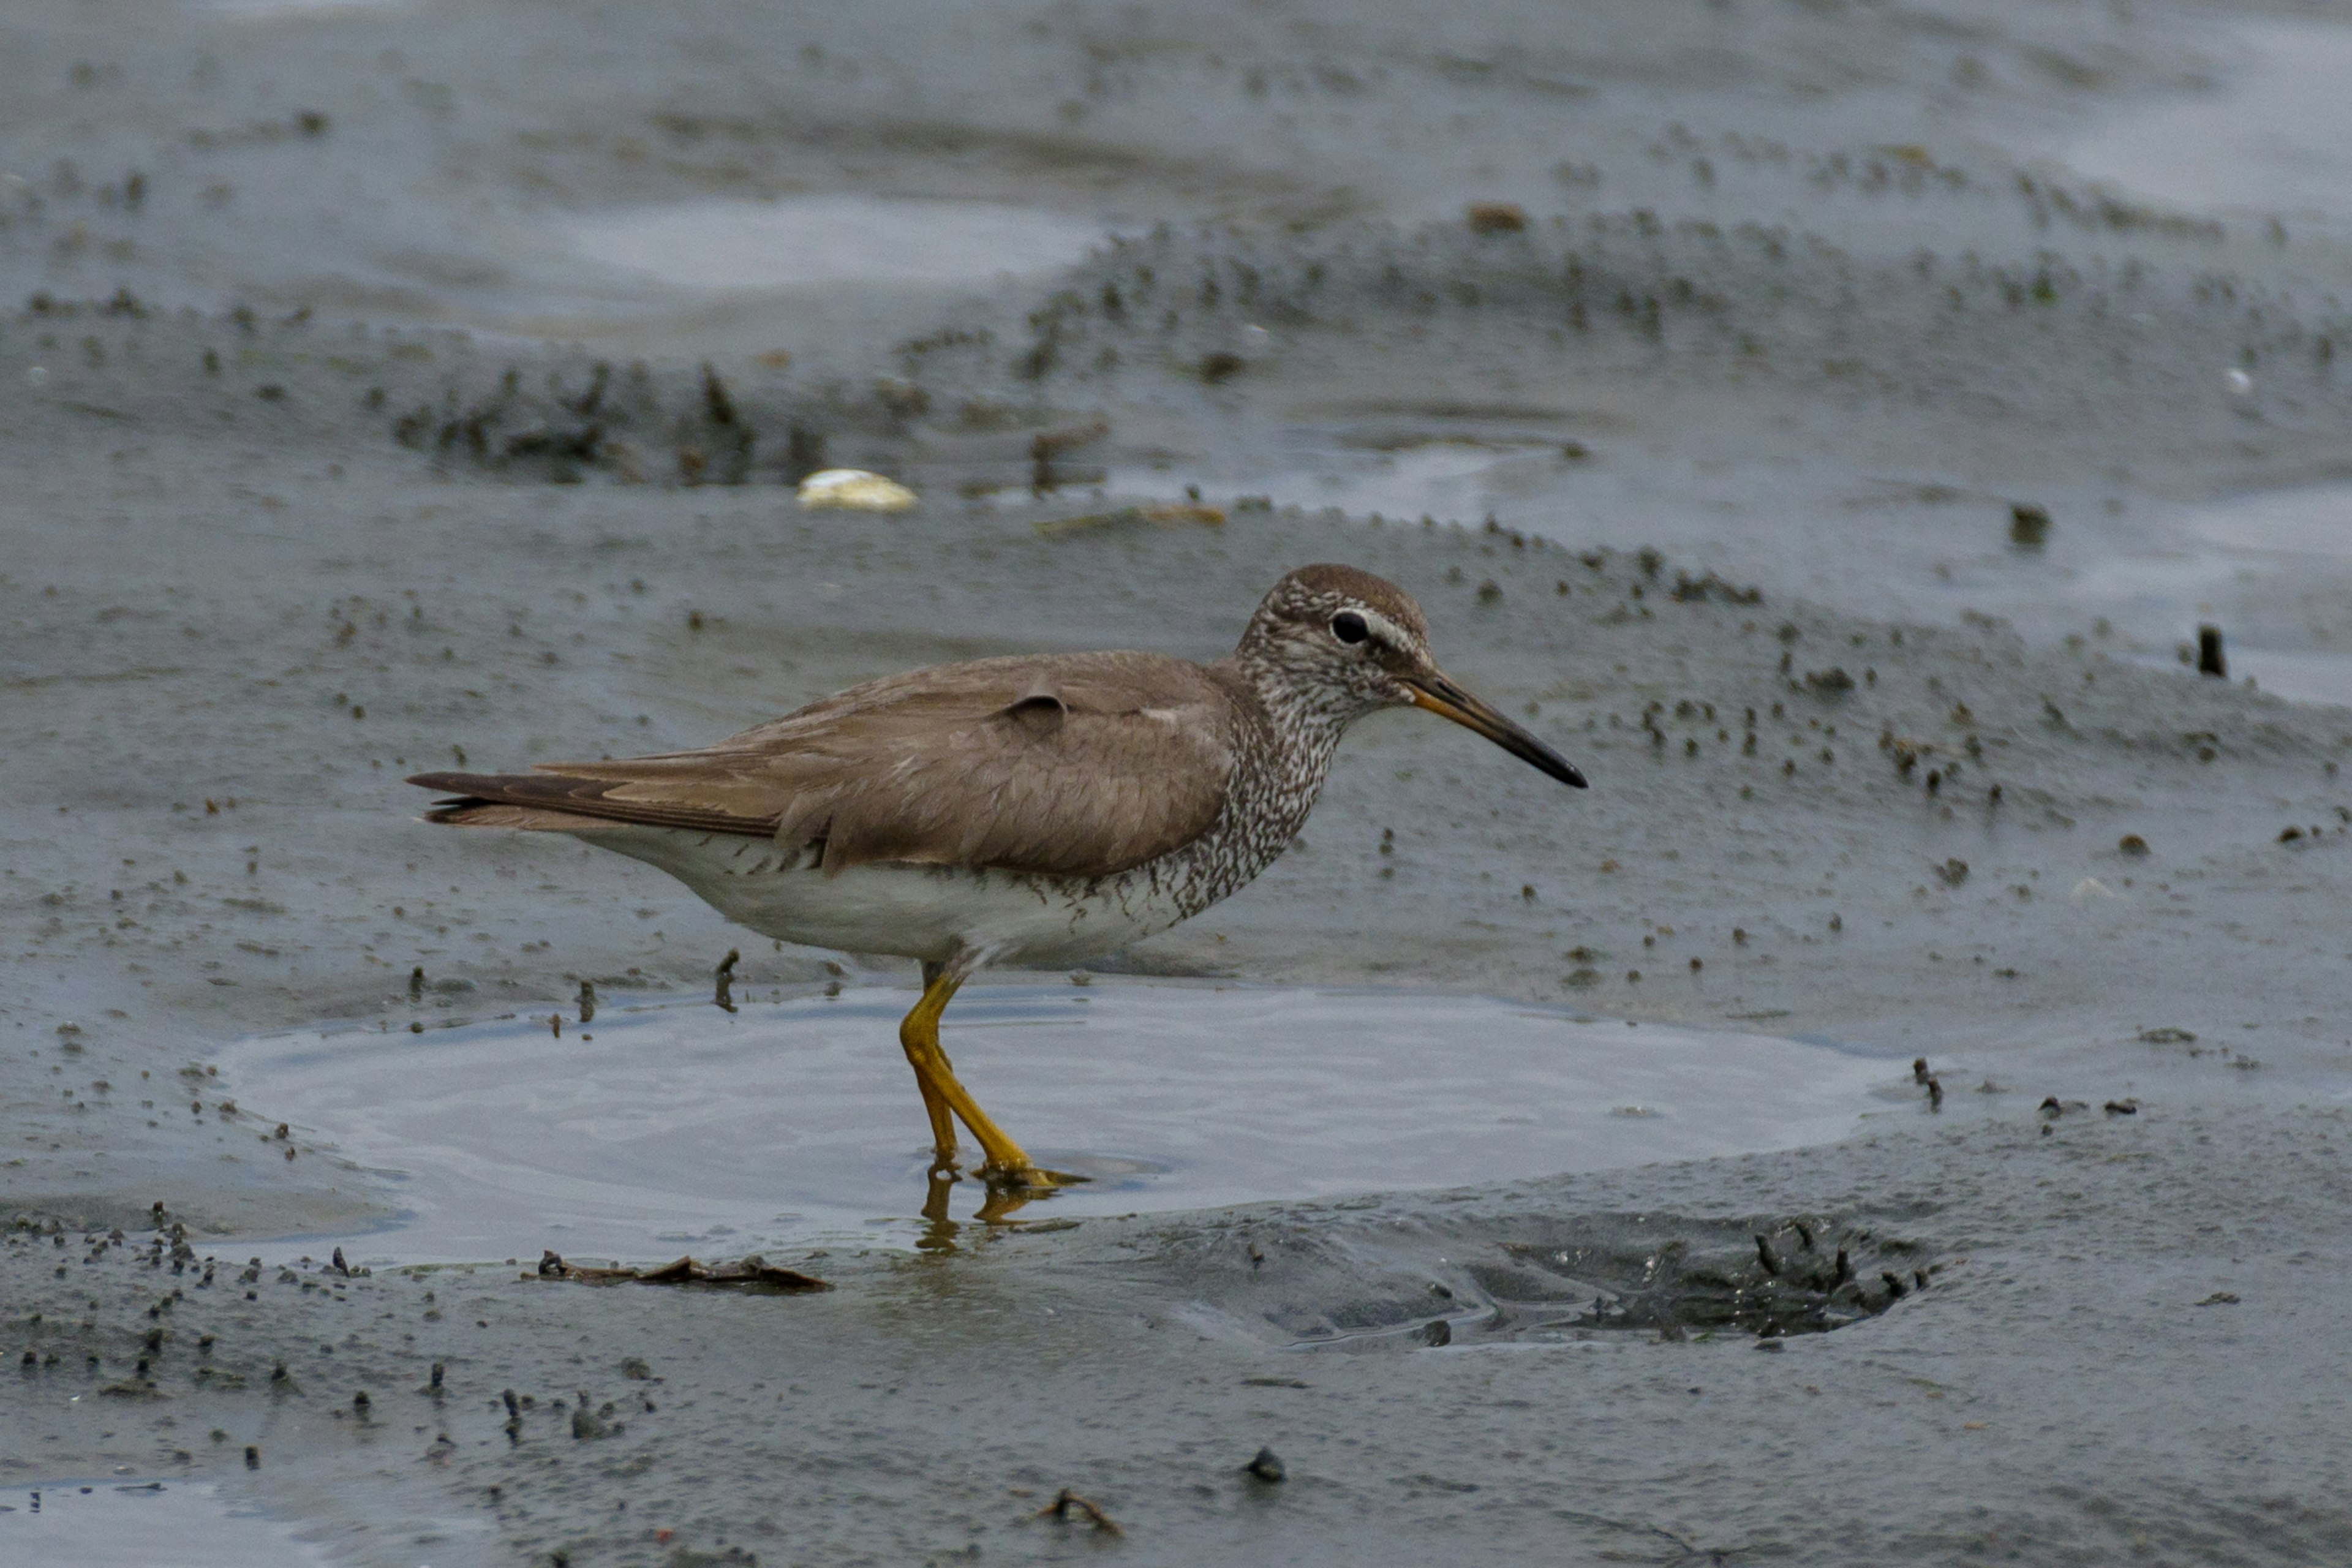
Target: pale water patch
844,238
144,1524
290,10
2298,675
2300,535
2276,139
681,1128
2314,521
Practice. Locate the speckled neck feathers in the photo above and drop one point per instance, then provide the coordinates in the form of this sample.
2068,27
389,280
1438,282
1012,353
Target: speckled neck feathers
1291,719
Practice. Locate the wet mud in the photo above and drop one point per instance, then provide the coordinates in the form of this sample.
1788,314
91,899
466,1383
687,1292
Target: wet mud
1766,411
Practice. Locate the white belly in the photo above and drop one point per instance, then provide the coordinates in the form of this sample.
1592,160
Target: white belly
927,912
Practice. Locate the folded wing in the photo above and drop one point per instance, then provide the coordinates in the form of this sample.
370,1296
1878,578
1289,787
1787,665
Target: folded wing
1075,765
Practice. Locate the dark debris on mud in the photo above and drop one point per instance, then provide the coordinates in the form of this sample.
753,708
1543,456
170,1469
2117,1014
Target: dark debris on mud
1769,1278
753,1273
1672,1276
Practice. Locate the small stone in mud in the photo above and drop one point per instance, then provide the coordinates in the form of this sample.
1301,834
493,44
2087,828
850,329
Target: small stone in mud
1495,217
2131,843
2029,525
589,1425
1220,367
2210,661
252,1457
1266,1467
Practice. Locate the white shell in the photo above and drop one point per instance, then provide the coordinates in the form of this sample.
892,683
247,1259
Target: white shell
855,490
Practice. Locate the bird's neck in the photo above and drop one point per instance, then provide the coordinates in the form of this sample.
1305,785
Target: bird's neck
1305,716
1277,778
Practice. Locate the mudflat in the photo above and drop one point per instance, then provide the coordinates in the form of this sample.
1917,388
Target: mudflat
1813,422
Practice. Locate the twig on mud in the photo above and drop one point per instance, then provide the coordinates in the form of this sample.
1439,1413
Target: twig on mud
1068,1501
753,1272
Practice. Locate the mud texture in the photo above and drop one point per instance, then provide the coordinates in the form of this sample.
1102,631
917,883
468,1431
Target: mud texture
2100,1366
326,464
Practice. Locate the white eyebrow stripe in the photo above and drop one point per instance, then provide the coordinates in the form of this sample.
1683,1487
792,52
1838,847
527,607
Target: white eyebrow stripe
1386,630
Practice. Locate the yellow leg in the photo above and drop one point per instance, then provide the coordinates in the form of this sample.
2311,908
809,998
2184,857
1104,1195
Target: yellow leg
920,1035
1008,1162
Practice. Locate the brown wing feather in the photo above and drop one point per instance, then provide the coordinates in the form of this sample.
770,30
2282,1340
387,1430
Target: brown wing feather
477,813
1080,764
584,797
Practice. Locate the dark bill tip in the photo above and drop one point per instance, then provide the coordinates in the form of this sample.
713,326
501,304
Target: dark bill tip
1447,700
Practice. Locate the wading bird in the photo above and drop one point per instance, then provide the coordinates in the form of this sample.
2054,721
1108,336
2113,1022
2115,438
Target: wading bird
1038,809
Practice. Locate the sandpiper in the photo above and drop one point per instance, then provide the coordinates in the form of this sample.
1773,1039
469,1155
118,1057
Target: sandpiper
1038,809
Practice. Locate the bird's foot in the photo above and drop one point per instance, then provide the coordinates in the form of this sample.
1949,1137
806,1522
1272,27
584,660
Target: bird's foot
1035,1181
1012,1187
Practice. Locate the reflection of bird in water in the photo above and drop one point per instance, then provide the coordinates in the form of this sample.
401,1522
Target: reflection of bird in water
1038,809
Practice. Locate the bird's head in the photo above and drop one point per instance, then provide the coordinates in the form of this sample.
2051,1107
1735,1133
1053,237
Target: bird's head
1345,640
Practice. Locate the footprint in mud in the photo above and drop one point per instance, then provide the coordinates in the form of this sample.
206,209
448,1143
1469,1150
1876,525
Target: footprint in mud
1772,1280
1666,1275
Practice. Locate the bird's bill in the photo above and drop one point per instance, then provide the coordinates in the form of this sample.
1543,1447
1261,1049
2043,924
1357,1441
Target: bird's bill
1440,695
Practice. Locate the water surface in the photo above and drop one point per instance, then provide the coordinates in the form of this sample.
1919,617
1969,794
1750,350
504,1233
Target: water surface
680,1128
2277,139
833,238
117,1523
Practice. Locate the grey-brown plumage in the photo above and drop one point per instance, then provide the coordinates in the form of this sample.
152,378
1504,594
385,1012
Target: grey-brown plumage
1069,765
1038,808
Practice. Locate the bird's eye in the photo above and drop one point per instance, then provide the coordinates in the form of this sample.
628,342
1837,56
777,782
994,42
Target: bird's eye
1349,627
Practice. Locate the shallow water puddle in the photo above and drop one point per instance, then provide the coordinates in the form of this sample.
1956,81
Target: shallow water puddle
277,10
150,1524
2299,676
2313,521
2285,535
845,237
680,1128
2277,139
